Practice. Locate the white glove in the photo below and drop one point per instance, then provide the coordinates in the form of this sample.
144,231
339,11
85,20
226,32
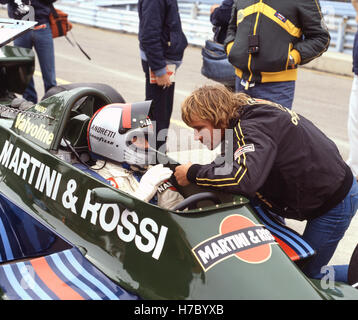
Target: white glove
151,180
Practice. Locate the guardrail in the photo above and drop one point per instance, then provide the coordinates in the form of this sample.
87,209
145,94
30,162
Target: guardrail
340,20
121,15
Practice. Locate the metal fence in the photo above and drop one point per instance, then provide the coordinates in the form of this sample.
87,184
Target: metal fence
122,15
340,20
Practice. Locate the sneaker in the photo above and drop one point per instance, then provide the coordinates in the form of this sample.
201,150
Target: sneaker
21,104
15,103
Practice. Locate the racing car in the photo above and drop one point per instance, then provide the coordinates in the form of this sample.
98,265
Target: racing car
67,234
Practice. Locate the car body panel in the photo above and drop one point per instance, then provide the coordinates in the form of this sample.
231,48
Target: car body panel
64,275
145,249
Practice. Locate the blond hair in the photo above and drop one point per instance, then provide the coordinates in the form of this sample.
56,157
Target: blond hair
215,104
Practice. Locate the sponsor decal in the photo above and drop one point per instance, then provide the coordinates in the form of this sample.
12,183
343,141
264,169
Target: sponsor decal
280,16
113,182
101,139
244,149
103,131
31,170
145,123
149,238
143,232
238,237
35,131
40,108
165,186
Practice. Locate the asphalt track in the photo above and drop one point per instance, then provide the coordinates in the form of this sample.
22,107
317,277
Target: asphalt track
321,97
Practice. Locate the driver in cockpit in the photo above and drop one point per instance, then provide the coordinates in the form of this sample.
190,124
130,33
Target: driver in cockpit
120,133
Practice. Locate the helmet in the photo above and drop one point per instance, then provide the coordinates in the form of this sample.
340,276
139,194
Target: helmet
112,128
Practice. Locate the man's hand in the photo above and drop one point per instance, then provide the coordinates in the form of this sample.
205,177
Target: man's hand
164,80
180,174
151,180
213,7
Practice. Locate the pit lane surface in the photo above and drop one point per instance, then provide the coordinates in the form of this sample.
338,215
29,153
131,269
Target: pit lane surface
321,97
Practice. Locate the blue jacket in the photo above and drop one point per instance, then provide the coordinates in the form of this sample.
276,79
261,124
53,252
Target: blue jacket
220,19
160,35
41,7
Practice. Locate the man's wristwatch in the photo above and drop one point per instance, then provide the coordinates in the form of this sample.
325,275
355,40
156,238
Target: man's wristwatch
291,62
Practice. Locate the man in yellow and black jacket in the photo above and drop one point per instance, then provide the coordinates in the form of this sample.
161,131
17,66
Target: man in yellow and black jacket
277,158
266,40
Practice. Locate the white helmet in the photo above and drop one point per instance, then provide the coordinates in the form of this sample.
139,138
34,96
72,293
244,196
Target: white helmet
112,128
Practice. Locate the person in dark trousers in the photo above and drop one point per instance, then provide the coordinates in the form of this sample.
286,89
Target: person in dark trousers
219,18
162,44
40,38
281,160
267,40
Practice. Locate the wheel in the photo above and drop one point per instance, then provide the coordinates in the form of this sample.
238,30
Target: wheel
100,95
111,93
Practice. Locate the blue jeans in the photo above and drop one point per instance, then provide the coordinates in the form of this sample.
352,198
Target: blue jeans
278,92
324,233
161,109
42,41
